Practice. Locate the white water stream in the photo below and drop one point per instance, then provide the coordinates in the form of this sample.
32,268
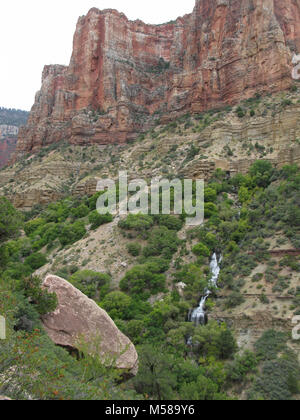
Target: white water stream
198,315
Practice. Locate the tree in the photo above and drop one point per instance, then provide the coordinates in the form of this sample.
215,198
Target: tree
10,220
35,261
117,304
91,283
97,219
262,171
156,375
201,250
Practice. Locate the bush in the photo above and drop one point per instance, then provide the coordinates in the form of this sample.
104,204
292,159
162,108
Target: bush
262,172
36,261
210,209
117,304
31,226
94,285
210,195
170,222
10,220
80,212
137,222
234,300
201,250
71,233
134,249
97,219
270,344
143,281
162,241
43,301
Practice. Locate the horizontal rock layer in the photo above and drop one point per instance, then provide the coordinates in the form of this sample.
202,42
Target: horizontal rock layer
123,74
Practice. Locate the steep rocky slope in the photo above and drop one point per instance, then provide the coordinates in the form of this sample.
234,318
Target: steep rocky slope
191,146
124,75
10,121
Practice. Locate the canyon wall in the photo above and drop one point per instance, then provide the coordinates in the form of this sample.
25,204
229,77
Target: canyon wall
124,75
8,142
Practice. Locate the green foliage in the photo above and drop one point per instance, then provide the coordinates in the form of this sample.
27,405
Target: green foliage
97,219
31,226
134,249
262,172
139,223
156,376
36,260
243,365
143,281
43,301
162,241
94,285
210,195
234,299
117,304
214,340
270,344
71,233
170,222
80,211
201,250
10,220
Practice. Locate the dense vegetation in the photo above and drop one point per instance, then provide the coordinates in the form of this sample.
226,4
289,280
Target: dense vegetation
14,117
178,360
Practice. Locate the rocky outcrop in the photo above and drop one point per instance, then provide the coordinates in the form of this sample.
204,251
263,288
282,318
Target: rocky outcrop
78,317
123,75
8,142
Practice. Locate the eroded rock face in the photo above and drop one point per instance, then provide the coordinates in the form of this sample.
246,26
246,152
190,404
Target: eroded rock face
8,142
77,316
124,74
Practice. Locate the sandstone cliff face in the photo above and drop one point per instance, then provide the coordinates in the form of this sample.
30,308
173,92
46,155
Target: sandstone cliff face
123,75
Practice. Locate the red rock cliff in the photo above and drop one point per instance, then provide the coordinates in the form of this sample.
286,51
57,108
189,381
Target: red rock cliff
123,74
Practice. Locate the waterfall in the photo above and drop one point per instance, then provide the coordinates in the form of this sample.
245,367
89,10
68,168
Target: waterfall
198,315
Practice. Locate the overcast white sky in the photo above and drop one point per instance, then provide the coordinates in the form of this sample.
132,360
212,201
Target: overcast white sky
38,32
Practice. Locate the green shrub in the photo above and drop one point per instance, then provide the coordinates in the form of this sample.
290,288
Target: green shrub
31,226
80,212
36,261
171,222
270,344
117,304
43,301
97,219
162,241
93,284
201,250
137,222
143,280
71,233
134,249
234,300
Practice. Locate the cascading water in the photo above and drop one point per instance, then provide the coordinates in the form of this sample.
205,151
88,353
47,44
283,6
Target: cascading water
198,315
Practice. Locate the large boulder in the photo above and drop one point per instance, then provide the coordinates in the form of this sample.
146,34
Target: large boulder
79,318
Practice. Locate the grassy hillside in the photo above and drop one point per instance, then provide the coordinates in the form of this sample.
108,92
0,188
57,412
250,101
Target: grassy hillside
245,351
